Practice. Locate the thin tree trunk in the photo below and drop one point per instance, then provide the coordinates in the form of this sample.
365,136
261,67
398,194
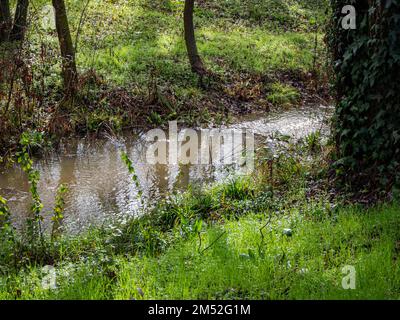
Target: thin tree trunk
190,39
5,20
69,72
20,21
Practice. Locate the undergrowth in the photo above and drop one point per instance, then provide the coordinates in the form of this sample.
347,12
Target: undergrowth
276,234
134,71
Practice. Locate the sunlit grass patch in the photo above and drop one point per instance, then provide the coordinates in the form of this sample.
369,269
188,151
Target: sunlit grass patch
308,264
253,257
257,51
252,51
283,94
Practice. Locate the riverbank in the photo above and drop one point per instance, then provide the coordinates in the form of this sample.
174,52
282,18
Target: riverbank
100,189
135,74
280,236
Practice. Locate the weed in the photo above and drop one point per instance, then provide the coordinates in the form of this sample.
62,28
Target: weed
283,95
58,211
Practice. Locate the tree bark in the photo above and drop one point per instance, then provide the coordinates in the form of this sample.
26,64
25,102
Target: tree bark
20,21
5,20
190,39
367,115
69,72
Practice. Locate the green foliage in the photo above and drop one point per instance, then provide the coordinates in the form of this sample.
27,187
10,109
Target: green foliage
238,189
29,140
121,46
4,212
276,14
367,65
313,141
307,265
58,210
205,244
7,244
155,118
283,95
132,171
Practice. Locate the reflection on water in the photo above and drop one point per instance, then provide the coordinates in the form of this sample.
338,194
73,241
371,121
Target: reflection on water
100,186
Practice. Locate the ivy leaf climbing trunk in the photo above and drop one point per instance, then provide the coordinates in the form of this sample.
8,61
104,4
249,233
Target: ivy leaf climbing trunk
367,120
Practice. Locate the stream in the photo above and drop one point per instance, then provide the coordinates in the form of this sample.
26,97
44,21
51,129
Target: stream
101,188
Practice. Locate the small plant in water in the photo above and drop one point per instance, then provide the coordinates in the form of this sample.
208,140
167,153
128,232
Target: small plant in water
5,224
132,171
29,140
7,235
4,211
58,211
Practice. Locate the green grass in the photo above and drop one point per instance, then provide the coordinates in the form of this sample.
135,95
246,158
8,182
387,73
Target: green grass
228,241
128,40
240,265
307,265
139,39
283,95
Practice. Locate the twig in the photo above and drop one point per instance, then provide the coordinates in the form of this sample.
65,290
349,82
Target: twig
208,247
262,234
78,31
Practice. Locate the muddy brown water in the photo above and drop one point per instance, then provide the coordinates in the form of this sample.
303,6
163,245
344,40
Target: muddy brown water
100,187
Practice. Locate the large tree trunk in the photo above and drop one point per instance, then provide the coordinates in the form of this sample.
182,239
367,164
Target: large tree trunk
194,58
367,117
5,20
20,21
69,72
